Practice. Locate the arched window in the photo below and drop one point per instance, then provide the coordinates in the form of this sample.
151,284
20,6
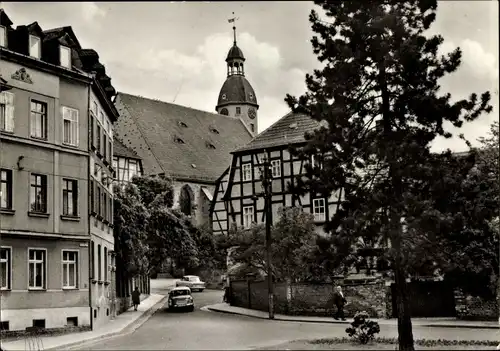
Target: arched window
224,111
186,200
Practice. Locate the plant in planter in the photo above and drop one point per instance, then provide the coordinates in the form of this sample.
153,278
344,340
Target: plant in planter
362,329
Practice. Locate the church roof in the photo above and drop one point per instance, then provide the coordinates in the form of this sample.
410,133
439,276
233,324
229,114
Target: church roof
176,140
236,89
235,53
289,129
120,150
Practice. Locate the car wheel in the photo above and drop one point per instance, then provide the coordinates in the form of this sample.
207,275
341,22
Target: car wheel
191,309
200,290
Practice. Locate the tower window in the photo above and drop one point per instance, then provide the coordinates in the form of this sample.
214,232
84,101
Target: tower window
238,110
252,127
224,97
224,112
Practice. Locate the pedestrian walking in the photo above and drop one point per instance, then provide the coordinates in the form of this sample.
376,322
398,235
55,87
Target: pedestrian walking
136,298
340,301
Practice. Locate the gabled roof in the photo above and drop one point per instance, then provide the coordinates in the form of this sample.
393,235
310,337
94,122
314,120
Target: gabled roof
289,129
122,151
59,32
176,140
4,19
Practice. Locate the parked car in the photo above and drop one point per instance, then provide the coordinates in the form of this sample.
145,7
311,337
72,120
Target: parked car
180,298
191,281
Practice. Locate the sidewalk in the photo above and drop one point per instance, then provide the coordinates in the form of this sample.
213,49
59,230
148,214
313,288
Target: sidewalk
123,323
422,322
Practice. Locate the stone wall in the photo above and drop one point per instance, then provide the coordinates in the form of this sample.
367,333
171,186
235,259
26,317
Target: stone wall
311,299
475,308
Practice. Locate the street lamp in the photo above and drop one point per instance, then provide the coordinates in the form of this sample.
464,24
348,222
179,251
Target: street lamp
266,177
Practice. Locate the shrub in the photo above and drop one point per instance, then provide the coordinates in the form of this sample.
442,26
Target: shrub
362,329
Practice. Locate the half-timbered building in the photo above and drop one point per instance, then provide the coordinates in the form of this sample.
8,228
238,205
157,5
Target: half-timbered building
238,196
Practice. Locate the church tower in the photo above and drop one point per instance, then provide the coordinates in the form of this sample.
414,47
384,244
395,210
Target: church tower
237,97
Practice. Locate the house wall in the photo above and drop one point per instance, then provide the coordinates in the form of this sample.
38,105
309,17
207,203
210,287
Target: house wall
20,229
201,205
242,192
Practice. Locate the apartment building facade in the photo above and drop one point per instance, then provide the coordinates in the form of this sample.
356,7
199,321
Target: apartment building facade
45,161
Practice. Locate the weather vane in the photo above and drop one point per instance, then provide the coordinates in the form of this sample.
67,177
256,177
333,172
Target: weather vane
233,20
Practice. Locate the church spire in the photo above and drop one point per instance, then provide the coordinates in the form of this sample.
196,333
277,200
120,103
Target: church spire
233,21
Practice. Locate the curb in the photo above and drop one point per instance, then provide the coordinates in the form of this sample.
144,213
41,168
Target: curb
464,326
134,325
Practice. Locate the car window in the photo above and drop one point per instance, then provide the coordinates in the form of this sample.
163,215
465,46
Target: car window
179,293
194,279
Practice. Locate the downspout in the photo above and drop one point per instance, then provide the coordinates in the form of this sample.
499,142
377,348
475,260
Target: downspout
88,212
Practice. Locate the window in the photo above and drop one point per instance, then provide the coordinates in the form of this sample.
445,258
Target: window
70,197
70,269
238,110
105,264
104,145
252,127
98,200
38,119
70,126
36,268
94,109
101,118
246,171
7,112
92,260
276,168
5,268
122,170
3,36
92,141
247,216
98,139
319,210
132,169
110,149
104,205
38,193
35,46
6,189
65,56
99,271
91,197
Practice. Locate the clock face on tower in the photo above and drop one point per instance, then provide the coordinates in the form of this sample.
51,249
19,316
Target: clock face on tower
252,113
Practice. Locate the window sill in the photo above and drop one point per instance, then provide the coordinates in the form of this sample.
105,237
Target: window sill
105,221
7,211
107,283
100,282
38,138
37,289
99,217
39,214
5,290
73,146
94,281
69,288
8,132
70,218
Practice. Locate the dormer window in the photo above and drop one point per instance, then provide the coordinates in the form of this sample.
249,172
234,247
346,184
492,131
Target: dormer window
65,56
3,36
35,47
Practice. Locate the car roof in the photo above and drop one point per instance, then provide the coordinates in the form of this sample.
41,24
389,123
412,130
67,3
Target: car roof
180,288
191,276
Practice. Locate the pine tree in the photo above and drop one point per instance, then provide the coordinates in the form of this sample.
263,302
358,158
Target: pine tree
379,97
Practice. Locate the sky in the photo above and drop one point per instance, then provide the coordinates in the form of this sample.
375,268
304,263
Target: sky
175,51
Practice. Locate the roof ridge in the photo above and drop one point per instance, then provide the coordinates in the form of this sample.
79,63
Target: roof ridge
183,106
272,125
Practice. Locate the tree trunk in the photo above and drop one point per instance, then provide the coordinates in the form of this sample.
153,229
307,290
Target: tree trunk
405,332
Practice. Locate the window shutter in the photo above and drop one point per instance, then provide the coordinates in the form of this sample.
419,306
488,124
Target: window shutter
9,118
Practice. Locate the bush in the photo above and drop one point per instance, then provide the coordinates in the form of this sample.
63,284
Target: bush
362,329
